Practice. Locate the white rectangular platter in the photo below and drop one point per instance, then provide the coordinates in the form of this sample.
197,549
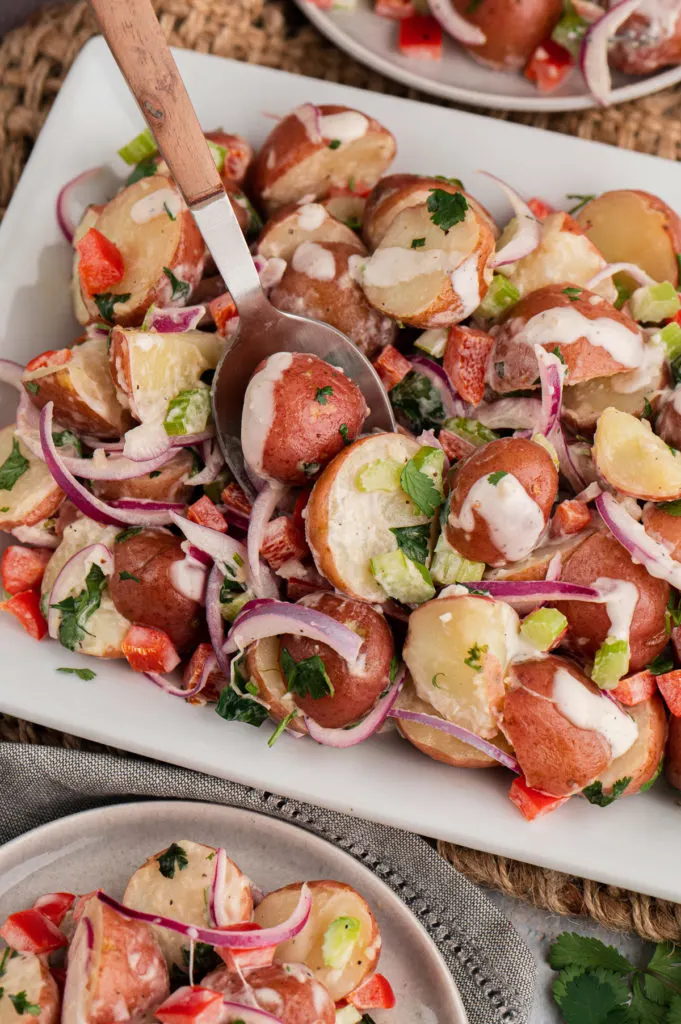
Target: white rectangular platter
634,843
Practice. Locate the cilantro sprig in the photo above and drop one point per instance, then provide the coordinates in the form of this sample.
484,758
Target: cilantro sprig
14,467
307,677
76,610
174,857
446,208
420,489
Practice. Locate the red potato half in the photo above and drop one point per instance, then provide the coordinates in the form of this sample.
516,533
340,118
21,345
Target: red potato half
264,669
663,527
25,972
238,154
634,460
495,519
300,156
672,761
602,557
512,32
594,339
31,497
182,894
346,527
536,565
298,412
289,991
170,483
318,283
123,972
306,222
668,420
348,208
652,40
641,762
137,222
330,900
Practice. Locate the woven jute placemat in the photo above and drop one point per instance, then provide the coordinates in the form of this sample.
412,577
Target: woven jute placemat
34,59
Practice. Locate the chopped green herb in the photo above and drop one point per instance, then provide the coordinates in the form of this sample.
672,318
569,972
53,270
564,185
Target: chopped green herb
559,355
651,782
169,212
420,489
446,208
648,413
394,667
106,301
125,575
494,478
146,168
334,144
174,857
66,438
474,659
661,664
418,243
418,401
124,535
595,795
7,954
354,223
205,960
323,393
83,673
282,727
673,612
672,508
230,586
21,1004
252,688
311,468
32,386
452,181
77,610
414,541
343,431
181,289
234,708
582,201
434,681
156,472
14,467
5,508
307,678
572,293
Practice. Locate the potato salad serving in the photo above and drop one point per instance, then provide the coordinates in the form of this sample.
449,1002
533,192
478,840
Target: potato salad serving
497,580
194,941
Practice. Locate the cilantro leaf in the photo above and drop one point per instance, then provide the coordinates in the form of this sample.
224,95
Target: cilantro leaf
83,673
674,1014
672,508
494,478
64,438
590,997
14,467
146,168
77,610
417,243
651,782
571,949
645,1010
124,535
394,666
7,954
334,144
22,1005
418,401
343,431
308,677
32,386
420,489
572,293
125,575
181,289
169,212
234,708
174,857
323,393
441,177
474,659
446,208
661,664
414,541
230,587
595,795
106,301
665,963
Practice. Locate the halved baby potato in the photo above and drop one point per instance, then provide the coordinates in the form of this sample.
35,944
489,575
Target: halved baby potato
536,565
330,901
316,149
347,207
170,483
263,667
642,761
634,460
649,39
26,972
306,222
174,883
28,494
81,388
288,991
511,33
162,248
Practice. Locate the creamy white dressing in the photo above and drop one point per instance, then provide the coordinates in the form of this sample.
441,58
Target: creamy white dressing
314,261
588,710
514,520
620,599
646,375
465,283
308,115
565,325
347,126
189,577
311,216
153,205
149,436
663,16
394,265
258,411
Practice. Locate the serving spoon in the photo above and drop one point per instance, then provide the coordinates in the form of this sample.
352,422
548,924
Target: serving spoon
137,42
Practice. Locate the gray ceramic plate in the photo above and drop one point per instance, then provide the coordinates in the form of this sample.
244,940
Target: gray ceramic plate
101,848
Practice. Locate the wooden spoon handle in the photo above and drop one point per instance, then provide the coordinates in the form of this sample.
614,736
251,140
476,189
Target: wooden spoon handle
139,46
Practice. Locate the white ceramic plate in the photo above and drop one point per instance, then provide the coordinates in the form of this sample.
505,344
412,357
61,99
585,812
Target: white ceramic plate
635,842
102,848
372,40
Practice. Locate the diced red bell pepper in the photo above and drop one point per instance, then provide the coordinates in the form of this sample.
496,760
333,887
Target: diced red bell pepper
223,310
549,66
101,262
23,568
283,541
55,905
375,993
669,686
391,366
239,959
149,650
421,37
53,357
234,500
26,608
453,446
191,1004
465,361
396,9
205,513
29,931
540,208
215,683
570,517
635,689
530,802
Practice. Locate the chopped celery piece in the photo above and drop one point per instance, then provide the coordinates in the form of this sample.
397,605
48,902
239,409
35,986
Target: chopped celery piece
654,303
543,627
401,578
671,338
348,1015
218,153
433,342
230,609
570,31
471,430
137,149
611,663
448,566
381,475
501,294
540,439
431,461
339,941
188,412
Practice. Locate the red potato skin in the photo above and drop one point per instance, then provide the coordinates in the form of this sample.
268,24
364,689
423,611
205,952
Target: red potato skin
355,694
304,430
668,422
169,485
635,57
673,754
556,756
664,528
528,462
513,30
154,601
583,360
303,1000
588,624
238,158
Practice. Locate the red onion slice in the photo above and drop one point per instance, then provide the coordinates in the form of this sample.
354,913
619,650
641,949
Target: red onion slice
455,24
213,463
508,414
214,620
551,375
234,939
528,233
72,579
594,52
631,269
189,576
464,735
350,737
179,691
534,590
248,1014
173,320
68,217
277,617
146,441
632,535
566,461
11,373
261,513
453,405
555,568
216,901
220,546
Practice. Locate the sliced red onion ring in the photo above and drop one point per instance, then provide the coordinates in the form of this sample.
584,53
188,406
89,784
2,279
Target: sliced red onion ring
343,738
173,320
551,375
535,590
508,414
198,556
261,513
566,462
146,441
248,1014
122,515
453,405
147,504
594,52
234,939
179,691
555,568
632,535
72,578
631,269
67,216
217,900
527,234
214,620
189,576
118,467
11,373
464,735
94,331
310,117
455,24
213,463
220,546
278,617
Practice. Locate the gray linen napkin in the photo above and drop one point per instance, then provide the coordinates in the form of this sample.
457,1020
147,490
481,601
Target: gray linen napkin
492,967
